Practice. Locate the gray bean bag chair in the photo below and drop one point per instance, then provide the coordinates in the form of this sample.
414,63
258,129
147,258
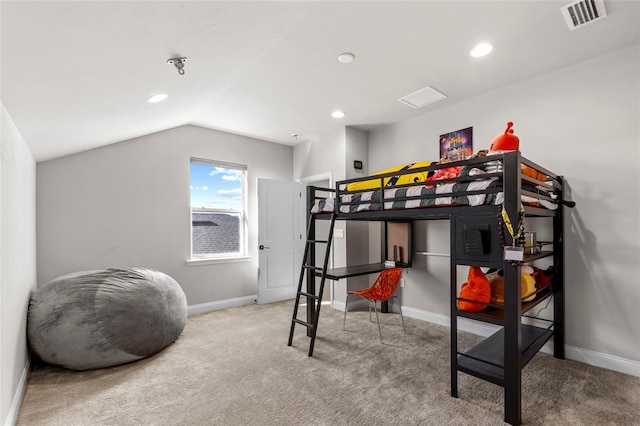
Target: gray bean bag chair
98,319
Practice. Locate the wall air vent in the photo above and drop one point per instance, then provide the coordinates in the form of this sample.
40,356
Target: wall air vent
583,12
422,97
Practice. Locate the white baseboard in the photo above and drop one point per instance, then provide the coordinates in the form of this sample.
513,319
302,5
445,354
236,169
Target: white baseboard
356,304
12,416
464,324
599,359
202,308
586,356
337,305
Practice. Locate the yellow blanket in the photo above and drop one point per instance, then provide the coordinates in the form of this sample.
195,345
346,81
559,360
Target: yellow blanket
400,179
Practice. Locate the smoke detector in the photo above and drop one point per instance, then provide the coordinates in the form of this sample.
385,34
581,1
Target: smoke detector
583,12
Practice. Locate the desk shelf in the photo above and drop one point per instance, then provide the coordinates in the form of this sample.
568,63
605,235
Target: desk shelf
356,270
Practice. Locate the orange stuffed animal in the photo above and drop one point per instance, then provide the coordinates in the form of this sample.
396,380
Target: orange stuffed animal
476,288
506,141
510,142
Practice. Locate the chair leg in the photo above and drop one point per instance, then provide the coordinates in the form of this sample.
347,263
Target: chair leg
401,316
378,320
375,309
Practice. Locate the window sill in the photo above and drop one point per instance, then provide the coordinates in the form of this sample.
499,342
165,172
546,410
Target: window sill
216,261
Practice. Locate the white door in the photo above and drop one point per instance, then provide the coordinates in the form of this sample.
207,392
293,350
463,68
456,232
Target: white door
280,239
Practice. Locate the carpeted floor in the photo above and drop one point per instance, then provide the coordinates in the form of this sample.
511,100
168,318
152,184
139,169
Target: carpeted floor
233,367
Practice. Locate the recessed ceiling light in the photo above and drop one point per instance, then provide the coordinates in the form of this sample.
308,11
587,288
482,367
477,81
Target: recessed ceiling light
157,98
337,114
345,58
481,49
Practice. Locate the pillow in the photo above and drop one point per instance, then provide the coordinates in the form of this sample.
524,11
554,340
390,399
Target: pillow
447,173
403,179
533,173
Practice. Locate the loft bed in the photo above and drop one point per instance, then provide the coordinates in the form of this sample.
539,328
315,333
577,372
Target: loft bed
476,195
482,181
482,187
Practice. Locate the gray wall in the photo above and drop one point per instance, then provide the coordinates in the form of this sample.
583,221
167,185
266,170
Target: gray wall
335,152
356,233
18,264
127,204
320,154
584,123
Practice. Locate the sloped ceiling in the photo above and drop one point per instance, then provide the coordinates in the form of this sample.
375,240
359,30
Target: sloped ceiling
76,75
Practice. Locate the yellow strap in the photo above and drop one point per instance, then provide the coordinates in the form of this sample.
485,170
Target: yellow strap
507,223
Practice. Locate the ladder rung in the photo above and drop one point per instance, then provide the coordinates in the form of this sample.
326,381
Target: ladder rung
308,324
312,327
315,268
304,293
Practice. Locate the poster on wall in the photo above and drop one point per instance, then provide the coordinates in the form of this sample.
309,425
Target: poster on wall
456,145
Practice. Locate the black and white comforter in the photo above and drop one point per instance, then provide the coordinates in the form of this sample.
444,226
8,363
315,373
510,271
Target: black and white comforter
449,194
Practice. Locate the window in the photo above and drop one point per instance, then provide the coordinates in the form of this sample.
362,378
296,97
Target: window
218,225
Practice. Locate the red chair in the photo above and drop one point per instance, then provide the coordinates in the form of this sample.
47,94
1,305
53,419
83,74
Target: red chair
381,290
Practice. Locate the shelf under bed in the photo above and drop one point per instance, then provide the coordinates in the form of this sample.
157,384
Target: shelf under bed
486,359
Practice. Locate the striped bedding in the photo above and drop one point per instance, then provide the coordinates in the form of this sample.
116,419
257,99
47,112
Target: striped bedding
449,194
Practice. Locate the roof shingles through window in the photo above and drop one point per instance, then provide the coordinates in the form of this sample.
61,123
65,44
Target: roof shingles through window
215,233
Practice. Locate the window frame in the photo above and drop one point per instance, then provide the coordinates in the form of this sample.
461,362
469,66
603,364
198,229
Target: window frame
241,254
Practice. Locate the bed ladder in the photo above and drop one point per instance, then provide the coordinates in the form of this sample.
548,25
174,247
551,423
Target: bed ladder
314,300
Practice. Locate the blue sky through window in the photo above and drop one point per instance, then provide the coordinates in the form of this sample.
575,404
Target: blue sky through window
215,187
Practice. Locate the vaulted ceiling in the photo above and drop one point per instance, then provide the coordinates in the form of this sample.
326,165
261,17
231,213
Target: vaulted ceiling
76,75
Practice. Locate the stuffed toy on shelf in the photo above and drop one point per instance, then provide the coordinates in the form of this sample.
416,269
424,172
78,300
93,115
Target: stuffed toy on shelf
475,288
527,285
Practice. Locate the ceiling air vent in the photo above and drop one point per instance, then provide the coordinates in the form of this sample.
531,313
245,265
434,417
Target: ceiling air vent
422,97
580,13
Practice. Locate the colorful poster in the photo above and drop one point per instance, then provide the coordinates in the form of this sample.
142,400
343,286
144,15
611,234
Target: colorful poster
455,146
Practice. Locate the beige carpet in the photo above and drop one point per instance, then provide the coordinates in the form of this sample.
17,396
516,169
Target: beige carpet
233,367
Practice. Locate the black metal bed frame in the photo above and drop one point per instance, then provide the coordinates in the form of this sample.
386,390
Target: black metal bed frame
499,358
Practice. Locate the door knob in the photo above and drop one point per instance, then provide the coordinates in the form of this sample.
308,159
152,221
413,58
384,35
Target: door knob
262,247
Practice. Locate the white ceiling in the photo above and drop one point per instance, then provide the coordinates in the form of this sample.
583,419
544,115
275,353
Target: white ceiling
76,75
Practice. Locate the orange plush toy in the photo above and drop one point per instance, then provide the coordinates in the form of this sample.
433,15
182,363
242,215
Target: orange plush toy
510,142
476,288
506,141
